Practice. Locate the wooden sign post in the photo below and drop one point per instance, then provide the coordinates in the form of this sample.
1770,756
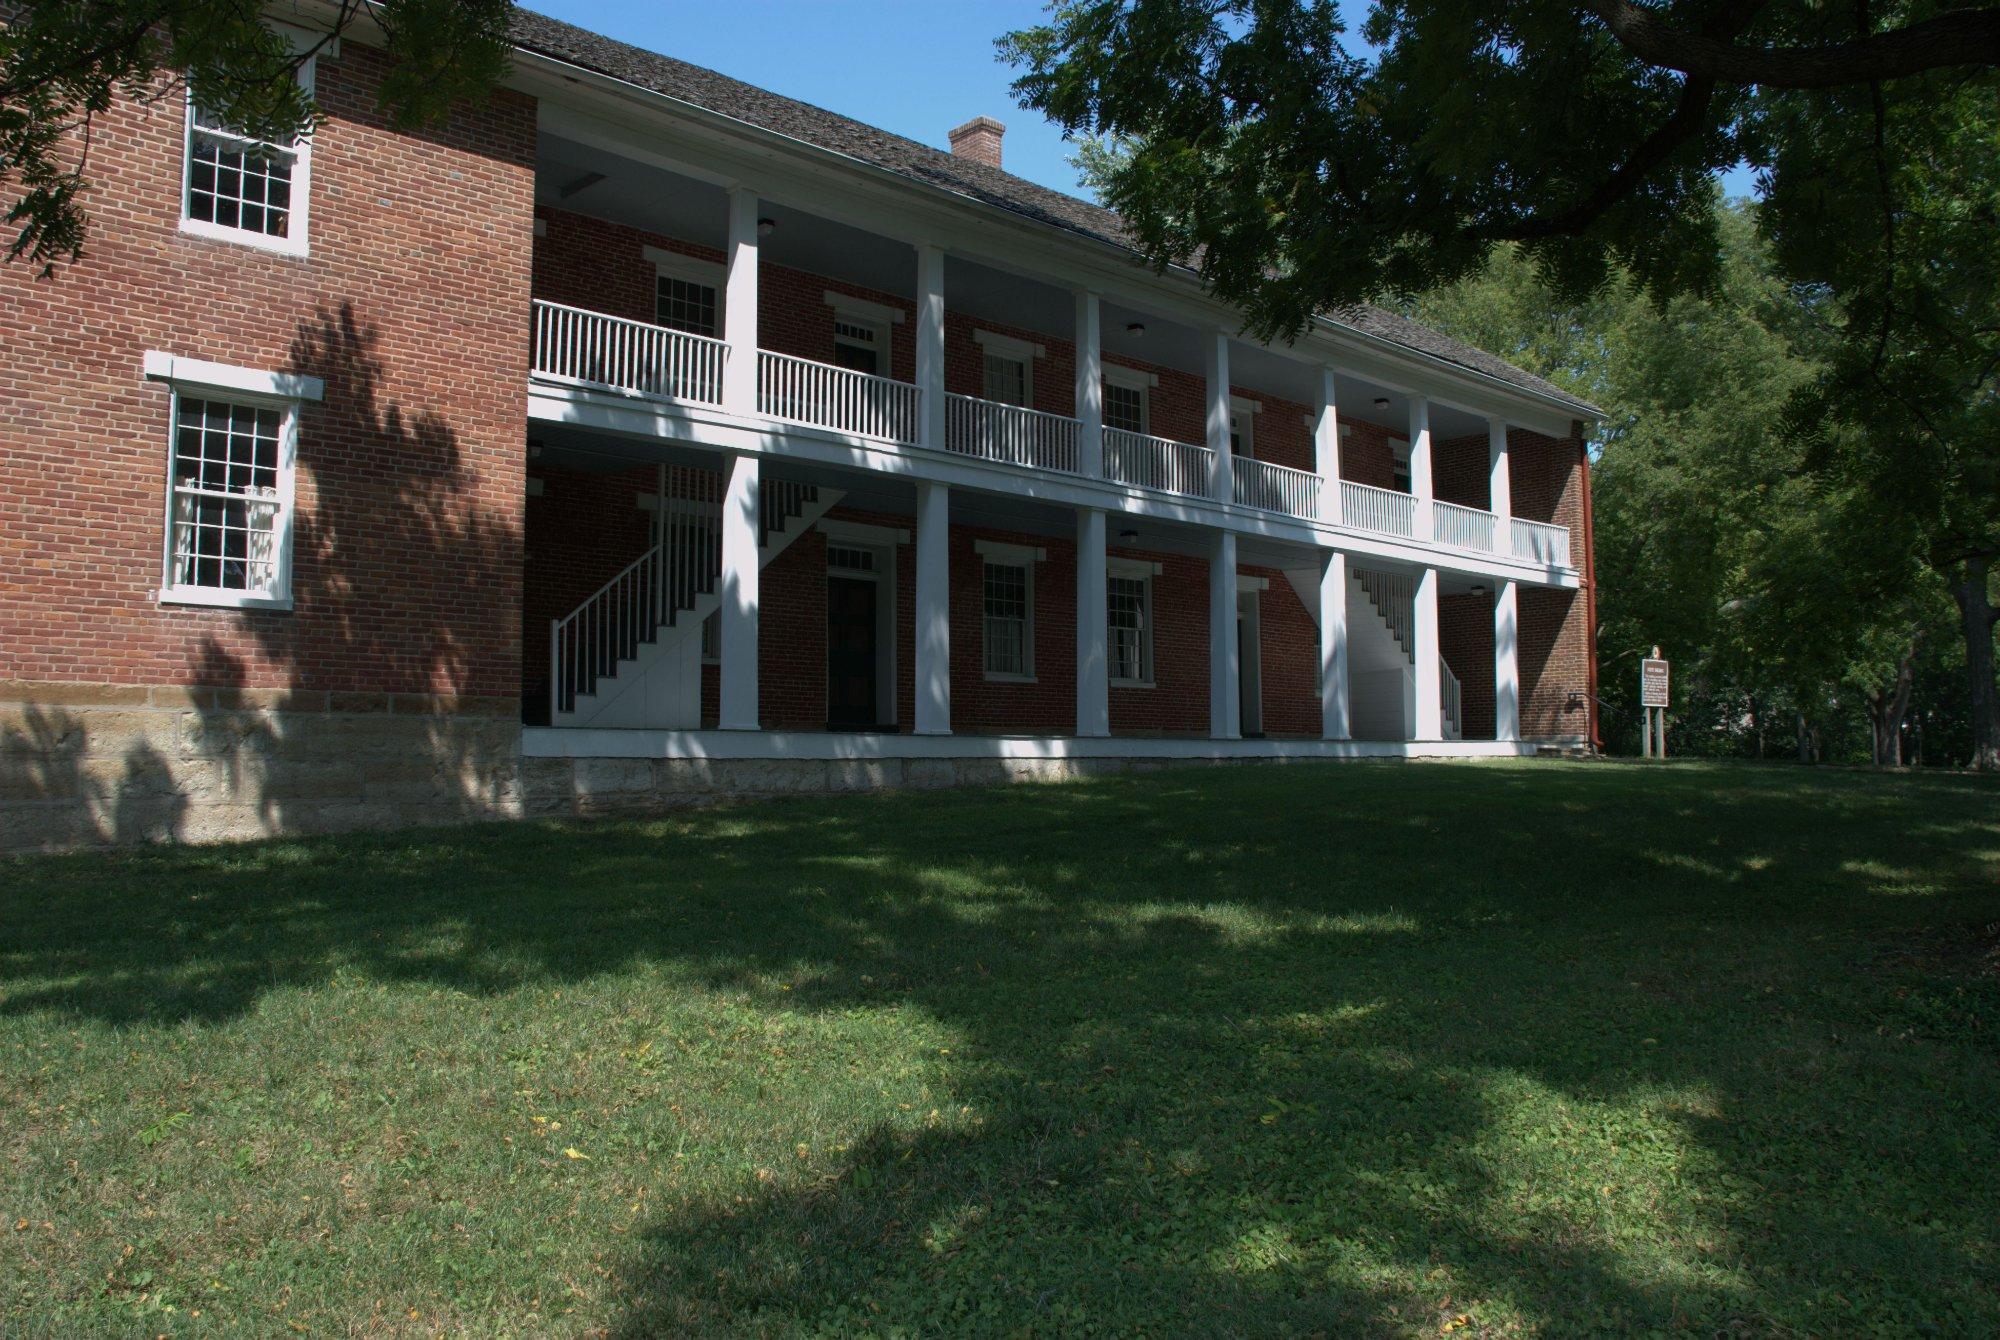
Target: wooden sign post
1653,705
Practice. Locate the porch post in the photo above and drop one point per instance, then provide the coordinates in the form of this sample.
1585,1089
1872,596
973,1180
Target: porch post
1500,486
1089,387
1218,426
1333,689
930,342
1420,472
1225,708
739,306
738,707
933,613
1093,656
1326,457
1507,661
1428,682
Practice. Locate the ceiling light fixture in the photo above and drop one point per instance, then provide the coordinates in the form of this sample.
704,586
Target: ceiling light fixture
1381,402
1135,328
765,227
1128,534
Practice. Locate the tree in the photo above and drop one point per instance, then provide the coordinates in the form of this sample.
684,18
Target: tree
1716,539
1297,175
62,62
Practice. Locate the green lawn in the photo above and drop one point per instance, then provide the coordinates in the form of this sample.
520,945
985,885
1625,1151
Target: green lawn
1420,1049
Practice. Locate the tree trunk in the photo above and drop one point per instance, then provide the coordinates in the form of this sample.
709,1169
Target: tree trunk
1975,618
1888,708
1805,740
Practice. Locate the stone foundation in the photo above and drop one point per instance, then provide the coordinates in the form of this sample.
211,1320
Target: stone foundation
84,764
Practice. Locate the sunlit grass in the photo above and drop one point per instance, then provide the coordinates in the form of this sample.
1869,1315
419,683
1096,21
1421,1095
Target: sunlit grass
1404,1049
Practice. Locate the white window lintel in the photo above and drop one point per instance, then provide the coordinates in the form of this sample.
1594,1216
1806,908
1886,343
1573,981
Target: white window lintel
1136,568
854,532
861,308
1239,404
1008,346
195,374
1133,378
695,270
1246,583
1018,554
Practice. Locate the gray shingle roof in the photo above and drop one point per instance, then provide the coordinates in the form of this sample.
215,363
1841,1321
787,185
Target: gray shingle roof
935,167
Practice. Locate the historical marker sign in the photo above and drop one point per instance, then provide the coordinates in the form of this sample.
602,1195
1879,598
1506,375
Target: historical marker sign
1652,682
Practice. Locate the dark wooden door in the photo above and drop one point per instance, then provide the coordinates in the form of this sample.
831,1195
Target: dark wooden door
850,652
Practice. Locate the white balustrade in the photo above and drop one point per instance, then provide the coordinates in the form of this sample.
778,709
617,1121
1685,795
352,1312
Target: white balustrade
801,390
1385,510
1539,542
1160,463
1463,527
1394,596
995,431
1275,488
1451,702
593,349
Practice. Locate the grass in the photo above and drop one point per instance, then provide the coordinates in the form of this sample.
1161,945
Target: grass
1391,1049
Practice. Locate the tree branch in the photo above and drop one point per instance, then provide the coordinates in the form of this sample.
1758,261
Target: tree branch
1959,38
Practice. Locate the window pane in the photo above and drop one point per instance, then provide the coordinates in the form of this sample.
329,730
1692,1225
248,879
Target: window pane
1128,633
682,305
1006,380
225,495
240,183
1124,407
1006,619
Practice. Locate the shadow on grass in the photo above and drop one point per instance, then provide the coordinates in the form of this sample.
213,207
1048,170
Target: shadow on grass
1268,1049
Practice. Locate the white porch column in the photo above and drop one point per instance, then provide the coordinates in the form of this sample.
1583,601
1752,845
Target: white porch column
1225,707
1429,724
739,306
1089,386
1333,685
737,709
1420,470
933,613
1326,456
1500,487
1093,656
1507,661
1218,427
930,341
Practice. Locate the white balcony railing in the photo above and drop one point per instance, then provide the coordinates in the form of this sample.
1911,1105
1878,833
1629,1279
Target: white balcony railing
1160,463
1385,510
592,349
994,431
1539,542
1463,527
801,390
1275,488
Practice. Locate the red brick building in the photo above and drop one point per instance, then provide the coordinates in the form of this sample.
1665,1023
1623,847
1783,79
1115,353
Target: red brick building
638,433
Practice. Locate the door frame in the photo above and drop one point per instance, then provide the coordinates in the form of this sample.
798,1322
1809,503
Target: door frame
1250,661
881,542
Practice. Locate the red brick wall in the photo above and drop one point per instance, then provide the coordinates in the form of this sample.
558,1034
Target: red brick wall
1465,638
412,306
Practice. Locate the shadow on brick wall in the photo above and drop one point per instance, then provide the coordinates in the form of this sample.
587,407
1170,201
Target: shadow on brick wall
388,695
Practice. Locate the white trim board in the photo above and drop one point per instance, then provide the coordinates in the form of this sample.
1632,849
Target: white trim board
197,374
606,742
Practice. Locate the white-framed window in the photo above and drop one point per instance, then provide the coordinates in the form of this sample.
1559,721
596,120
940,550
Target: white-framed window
687,293
1243,426
1010,381
860,345
232,461
1007,367
243,189
1127,400
1129,615
1007,626
1399,468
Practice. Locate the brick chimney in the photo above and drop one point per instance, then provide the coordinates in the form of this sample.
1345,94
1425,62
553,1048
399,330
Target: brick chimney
979,140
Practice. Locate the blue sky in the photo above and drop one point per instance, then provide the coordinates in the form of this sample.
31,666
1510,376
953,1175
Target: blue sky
917,67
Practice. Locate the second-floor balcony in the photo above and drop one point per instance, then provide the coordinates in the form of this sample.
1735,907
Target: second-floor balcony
598,351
